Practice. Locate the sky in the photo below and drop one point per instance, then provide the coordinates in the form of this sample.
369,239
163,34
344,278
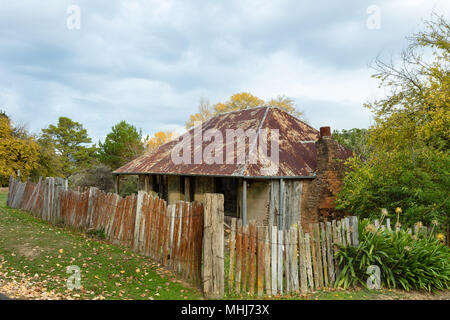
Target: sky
150,62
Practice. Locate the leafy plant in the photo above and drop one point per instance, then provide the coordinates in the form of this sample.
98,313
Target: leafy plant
405,261
416,180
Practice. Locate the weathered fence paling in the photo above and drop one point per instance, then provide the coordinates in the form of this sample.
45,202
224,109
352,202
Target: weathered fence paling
287,261
171,235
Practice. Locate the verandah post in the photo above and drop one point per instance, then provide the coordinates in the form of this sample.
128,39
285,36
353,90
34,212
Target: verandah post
117,184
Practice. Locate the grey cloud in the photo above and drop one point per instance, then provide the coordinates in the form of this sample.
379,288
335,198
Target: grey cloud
148,62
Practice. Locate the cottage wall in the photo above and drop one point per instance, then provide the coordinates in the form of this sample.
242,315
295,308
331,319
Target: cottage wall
258,195
293,201
203,185
174,189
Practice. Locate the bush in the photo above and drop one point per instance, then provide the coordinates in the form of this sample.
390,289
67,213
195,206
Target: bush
98,175
417,181
128,185
407,261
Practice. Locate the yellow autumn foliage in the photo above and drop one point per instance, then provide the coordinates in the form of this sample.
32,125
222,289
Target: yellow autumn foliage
159,139
240,101
15,153
418,110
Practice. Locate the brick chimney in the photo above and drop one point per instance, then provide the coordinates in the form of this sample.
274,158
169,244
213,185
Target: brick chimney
327,151
330,171
325,132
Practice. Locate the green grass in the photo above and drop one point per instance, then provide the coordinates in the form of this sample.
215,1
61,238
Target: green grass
332,294
33,248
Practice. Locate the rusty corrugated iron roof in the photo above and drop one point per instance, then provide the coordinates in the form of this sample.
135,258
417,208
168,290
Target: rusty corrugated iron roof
297,150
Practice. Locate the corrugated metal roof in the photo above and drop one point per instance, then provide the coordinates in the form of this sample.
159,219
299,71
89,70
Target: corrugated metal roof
297,150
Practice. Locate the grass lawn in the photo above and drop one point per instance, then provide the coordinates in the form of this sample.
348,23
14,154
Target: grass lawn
34,256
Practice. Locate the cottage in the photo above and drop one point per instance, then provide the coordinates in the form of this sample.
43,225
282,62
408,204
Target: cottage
294,179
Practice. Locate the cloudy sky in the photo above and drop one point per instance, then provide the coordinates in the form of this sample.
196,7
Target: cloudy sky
149,62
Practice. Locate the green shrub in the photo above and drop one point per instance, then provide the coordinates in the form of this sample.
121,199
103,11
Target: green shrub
98,175
417,181
128,185
405,261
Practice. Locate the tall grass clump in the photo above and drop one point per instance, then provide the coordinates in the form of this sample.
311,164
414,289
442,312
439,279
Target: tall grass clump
420,262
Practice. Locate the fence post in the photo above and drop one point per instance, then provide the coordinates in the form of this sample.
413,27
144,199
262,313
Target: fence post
232,254
274,250
354,230
138,218
10,187
213,254
19,190
56,205
45,210
388,224
91,198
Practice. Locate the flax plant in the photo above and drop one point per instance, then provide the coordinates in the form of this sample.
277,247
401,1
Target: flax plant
405,261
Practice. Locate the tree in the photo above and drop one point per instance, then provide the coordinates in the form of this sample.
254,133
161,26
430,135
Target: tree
16,152
409,157
69,139
417,113
204,113
284,103
122,144
240,101
50,163
355,139
159,139
98,175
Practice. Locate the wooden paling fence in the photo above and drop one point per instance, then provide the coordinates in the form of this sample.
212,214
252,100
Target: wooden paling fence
38,198
266,260
171,235
422,230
